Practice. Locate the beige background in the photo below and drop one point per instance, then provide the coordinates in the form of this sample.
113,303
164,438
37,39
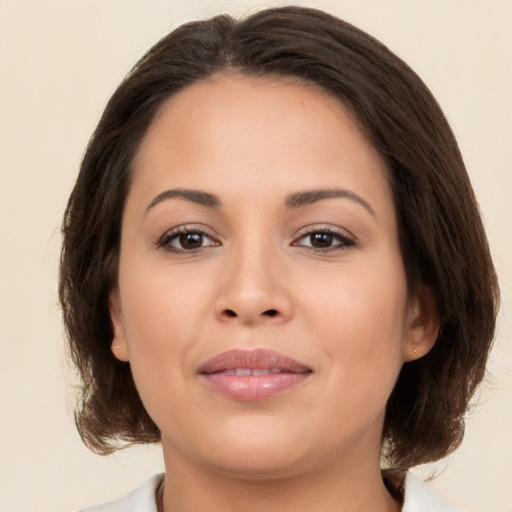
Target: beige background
59,63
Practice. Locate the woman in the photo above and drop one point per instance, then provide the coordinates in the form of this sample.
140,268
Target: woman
274,264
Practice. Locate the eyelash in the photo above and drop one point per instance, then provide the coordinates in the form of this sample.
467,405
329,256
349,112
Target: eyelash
166,240
343,241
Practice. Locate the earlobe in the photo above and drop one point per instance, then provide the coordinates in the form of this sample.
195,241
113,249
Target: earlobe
119,346
423,326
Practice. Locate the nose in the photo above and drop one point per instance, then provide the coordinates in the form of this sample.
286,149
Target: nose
253,288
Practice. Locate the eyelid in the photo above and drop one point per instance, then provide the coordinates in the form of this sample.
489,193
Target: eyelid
183,229
345,238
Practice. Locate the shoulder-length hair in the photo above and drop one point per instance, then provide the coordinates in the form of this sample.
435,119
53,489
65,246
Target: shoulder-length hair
443,242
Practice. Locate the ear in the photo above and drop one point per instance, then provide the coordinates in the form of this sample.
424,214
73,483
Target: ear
119,346
422,326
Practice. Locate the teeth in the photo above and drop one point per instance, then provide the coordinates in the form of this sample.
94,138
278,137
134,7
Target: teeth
243,372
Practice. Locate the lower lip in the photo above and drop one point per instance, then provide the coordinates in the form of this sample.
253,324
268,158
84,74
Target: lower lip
253,388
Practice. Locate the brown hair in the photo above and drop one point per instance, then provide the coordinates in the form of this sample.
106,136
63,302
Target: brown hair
442,239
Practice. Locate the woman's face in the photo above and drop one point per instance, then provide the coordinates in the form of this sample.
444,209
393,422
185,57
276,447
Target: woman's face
262,300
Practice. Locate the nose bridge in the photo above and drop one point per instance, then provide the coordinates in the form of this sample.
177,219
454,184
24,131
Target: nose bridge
254,288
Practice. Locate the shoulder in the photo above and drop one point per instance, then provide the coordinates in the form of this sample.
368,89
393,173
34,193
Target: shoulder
141,499
420,498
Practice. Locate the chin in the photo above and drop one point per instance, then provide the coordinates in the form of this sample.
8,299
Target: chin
260,449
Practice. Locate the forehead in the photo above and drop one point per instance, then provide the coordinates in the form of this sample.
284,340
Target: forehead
235,130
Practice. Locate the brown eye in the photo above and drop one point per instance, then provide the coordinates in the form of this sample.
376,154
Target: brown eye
321,240
183,241
190,240
324,240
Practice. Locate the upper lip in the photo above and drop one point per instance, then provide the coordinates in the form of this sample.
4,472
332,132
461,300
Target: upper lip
259,359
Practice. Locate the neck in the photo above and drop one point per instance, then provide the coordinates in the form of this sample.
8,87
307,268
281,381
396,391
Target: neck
353,488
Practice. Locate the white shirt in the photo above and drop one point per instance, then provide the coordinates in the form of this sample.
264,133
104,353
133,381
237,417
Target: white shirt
418,498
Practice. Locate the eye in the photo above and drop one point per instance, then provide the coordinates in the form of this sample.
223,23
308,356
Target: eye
324,240
186,240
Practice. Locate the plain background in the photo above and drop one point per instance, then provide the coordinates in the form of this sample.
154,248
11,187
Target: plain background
59,63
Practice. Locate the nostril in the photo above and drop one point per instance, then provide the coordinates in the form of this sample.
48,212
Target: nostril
233,314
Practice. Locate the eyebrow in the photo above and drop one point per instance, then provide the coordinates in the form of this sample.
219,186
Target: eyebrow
195,196
295,200
307,197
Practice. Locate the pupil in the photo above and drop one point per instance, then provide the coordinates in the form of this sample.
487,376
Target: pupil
321,240
191,240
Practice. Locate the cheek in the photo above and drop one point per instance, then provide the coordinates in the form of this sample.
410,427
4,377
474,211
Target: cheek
161,318
161,314
359,318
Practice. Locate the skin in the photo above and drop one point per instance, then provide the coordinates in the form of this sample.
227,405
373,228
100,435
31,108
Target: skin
343,310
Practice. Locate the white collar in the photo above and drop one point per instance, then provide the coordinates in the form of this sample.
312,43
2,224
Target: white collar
420,498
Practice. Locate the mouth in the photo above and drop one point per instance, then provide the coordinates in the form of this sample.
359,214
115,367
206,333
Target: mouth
252,375
243,372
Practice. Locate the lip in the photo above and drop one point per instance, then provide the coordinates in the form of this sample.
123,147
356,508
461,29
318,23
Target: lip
274,373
